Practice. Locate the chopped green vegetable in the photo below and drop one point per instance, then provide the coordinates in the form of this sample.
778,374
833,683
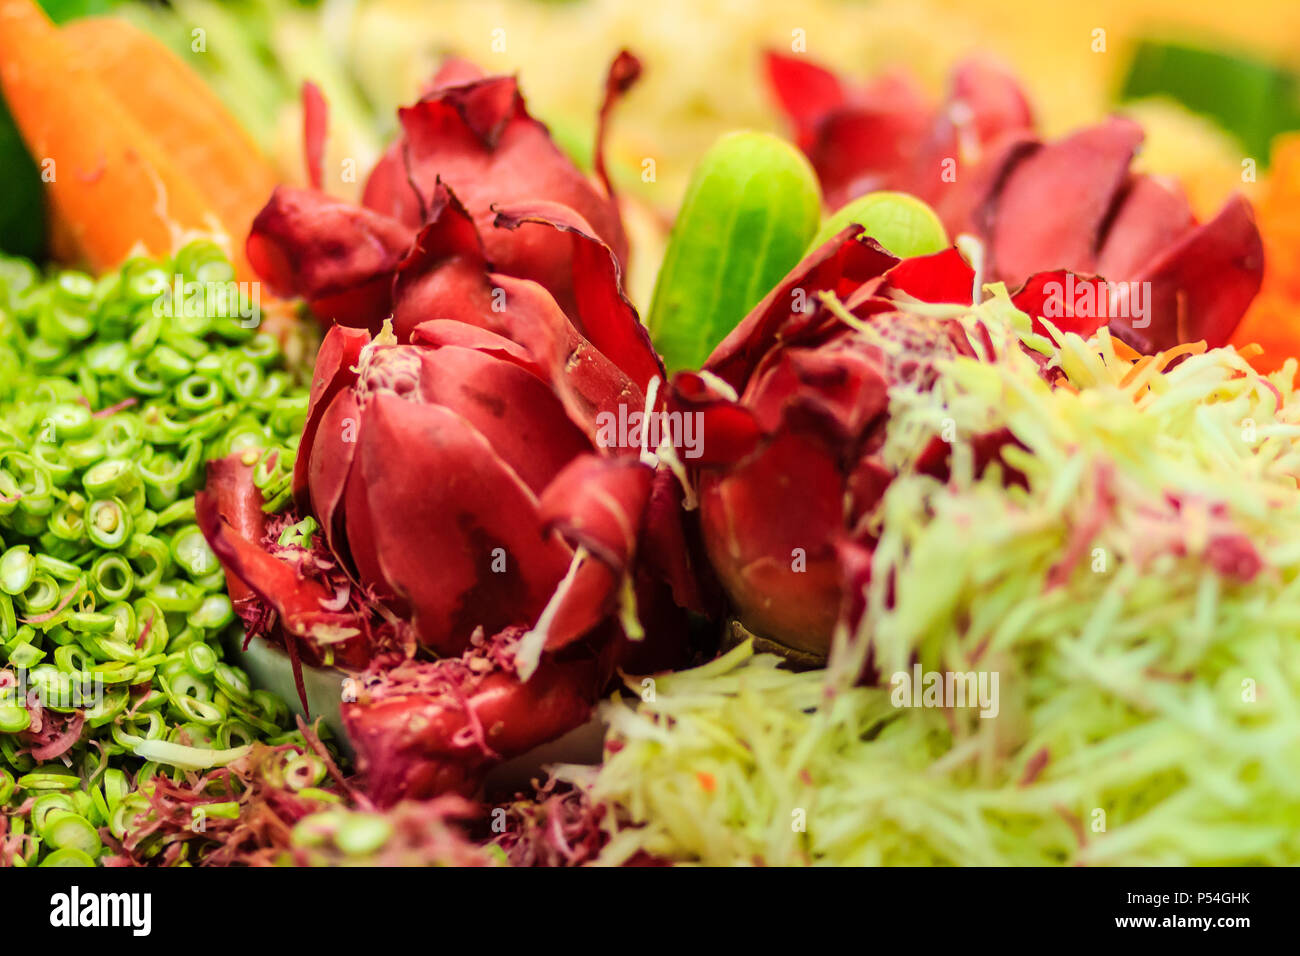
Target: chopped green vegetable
111,606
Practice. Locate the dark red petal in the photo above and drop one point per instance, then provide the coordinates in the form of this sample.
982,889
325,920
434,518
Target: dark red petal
444,275
985,123
864,148
1152,216
867,485
388,190
1053,206
769,525
441,510
238,502
479,139
668,554
857,138
1202,285
840,265
603,313
329,462
586,380
583,604
807,92
444,278
599,503
516,412
936,459
339,256
315,126
961,204
415,746
439,332
362,544
296,599
987,99
847,384
730,431
336,361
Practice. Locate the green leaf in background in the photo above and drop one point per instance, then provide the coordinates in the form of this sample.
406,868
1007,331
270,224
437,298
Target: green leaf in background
1251,99
751,207
22,212
61,11
901,223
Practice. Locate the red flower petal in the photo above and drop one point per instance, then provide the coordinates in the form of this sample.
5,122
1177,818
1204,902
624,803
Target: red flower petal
1201,286
456,531
601,311
985,111
479,139
338,256
807,92
1151,217
840,266
941,277
781,571
1053,295
335,363
1050,212
513,409
599,503
418,745
296,599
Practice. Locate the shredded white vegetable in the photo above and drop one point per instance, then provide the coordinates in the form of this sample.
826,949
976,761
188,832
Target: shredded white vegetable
1139,602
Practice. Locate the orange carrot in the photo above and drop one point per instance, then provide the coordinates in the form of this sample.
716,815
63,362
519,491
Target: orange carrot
182,114
106,179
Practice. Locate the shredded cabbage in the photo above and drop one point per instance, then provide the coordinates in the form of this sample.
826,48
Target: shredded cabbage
1139,601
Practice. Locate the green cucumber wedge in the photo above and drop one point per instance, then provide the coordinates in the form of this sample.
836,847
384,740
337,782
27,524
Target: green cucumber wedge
900,222
751,208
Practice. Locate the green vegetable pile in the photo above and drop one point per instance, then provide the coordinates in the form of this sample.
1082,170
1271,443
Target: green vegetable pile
112,606
1136,595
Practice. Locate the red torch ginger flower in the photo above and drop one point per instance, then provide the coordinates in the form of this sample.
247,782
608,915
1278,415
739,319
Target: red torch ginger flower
472,133
464,485
1072,205
795,404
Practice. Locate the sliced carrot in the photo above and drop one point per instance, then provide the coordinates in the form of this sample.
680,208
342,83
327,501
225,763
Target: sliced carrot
165,96
1162,359
1124,351
107,180
1138,368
